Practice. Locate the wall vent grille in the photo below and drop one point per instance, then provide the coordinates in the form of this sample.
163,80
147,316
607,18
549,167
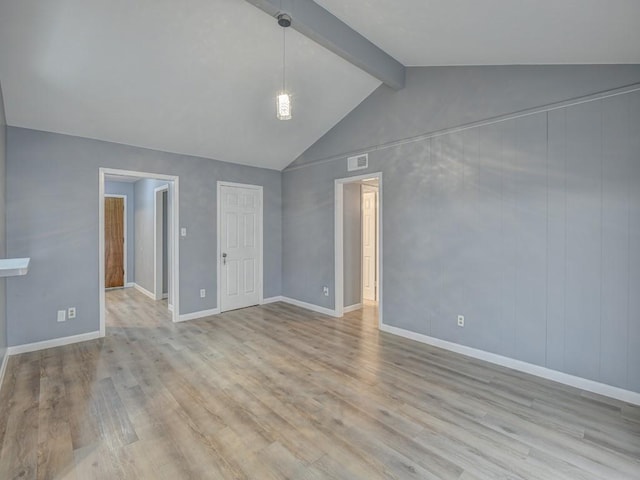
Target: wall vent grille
358,162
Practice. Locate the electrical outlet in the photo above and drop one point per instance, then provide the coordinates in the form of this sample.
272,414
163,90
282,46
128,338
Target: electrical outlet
71,312
461,320
203,293
62,315
325,291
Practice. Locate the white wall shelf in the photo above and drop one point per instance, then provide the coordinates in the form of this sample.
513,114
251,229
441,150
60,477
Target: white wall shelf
12,267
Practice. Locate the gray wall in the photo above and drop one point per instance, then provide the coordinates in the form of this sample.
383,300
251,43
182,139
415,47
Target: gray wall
126,189
529,227
3,237
436,98
145,235
352,244
52,217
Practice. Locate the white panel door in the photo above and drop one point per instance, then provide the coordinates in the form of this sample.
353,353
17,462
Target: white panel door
369,240
240,247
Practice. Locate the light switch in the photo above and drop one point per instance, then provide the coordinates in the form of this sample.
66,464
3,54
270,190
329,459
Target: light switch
183,232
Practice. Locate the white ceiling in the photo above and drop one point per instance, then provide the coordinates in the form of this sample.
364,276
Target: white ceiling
196,77
497,32
199,77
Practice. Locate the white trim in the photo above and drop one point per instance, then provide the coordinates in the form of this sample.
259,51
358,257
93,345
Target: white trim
309,306
55,342
124,219
339,241
352,308
144,291
219,233
134,173
175,226
129,284
170,306
101,267
194,315
266,301
3,368
338,283
157,262
536,370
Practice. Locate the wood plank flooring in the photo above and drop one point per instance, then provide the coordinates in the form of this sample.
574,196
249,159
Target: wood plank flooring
277,392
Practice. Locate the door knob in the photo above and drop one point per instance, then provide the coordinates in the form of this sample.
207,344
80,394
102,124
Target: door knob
224,258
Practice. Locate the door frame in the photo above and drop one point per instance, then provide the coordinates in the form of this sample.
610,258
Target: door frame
124,227
339,241
157,239
175,211
259,188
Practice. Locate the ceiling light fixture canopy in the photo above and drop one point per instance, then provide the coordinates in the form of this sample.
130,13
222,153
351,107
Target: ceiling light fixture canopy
284,20
283,99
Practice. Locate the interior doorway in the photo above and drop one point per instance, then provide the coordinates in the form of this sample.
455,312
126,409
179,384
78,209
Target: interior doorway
153,272
358,244
162,244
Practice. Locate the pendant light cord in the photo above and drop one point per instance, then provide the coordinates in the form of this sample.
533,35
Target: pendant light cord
284,50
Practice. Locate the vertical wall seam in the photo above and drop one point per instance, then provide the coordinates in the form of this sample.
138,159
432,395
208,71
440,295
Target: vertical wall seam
502,239
517,138
601,105
629,202
564,252
430,217
546,277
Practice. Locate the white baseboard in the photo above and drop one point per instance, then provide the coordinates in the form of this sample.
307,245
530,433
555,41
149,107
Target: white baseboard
266,301
298,303
3,368
144,291
55,342
129,285
538,371
203,313
309,306
170,307
352,308
165,296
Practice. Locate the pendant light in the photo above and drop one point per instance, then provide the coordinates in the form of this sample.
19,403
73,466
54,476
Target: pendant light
283,99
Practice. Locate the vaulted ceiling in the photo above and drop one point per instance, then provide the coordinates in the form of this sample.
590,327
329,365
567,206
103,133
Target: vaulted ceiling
497,32
199,77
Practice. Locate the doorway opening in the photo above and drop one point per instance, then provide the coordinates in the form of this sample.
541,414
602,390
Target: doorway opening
358,245
145,246
161,244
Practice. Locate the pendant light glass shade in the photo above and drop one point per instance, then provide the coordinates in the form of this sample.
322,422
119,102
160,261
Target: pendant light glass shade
283,99
283,106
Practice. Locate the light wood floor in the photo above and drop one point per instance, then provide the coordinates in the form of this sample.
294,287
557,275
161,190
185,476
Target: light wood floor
278,392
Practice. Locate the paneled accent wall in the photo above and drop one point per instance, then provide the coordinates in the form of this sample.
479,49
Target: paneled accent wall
530,227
